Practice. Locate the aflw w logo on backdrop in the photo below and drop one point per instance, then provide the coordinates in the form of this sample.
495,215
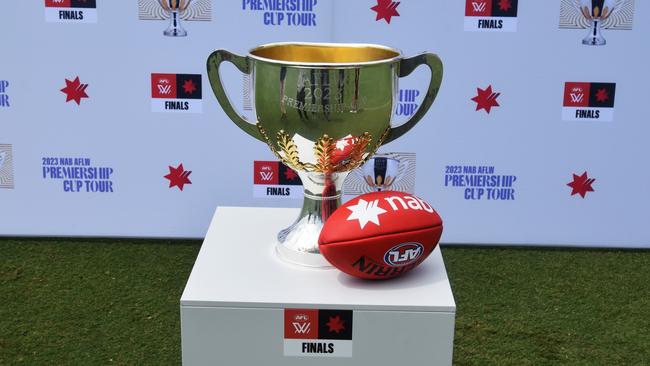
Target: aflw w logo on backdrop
71,11
266,176
577,95
491,15
272,179
165,87
585,101
176,93
479,7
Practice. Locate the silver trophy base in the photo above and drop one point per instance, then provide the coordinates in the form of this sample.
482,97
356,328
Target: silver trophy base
176,32
594,41
594,38
175,29
298,244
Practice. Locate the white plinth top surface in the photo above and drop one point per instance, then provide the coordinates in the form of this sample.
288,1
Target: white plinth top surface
238,267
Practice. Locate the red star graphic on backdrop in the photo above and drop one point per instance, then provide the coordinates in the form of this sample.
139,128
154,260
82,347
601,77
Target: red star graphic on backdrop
601,95
335,324
189,87
505,5
178,177
581,184
74,90
289,174
386,9
486,99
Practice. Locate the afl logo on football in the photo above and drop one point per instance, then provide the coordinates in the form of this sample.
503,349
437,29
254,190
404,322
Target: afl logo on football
403,254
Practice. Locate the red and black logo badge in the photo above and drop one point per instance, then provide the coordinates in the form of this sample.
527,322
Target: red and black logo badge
491,15
176,86
317,324
176,93
588,101
71,11
491,8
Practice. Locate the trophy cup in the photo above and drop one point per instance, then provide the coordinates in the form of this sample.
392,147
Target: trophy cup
381,171
596,11
175,8
323,109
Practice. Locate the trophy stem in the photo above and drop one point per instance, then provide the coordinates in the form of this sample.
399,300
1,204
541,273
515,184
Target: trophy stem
175,29
298,243
595,38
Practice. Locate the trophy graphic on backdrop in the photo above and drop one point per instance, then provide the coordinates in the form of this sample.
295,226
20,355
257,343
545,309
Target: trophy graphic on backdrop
175,9
323,109
596,11
382,171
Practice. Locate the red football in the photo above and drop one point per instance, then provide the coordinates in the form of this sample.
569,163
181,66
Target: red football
380,235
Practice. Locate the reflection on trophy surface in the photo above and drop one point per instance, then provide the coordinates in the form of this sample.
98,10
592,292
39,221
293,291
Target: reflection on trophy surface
596,11
323,110
175,8
380,172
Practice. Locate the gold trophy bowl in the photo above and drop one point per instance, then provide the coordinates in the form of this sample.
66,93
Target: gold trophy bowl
323,109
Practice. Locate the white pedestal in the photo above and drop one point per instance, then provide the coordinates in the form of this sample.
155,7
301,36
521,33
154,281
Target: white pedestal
233,306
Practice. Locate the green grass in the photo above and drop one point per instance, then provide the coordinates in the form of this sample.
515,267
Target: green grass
92,302
550,307
116,302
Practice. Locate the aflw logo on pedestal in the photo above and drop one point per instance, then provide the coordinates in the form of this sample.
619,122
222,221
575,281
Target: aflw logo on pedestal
176,93
491,15
274,179
317,333
588,101
71,11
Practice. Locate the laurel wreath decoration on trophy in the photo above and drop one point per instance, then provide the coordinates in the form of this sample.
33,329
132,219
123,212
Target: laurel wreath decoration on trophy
290,150
324,149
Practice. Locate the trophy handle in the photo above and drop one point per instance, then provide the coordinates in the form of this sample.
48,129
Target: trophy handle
242,63
406,67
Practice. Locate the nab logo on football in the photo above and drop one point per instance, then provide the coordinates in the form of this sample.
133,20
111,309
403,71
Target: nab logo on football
403,254
491,15
366,212
588,101
176,93
71,11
